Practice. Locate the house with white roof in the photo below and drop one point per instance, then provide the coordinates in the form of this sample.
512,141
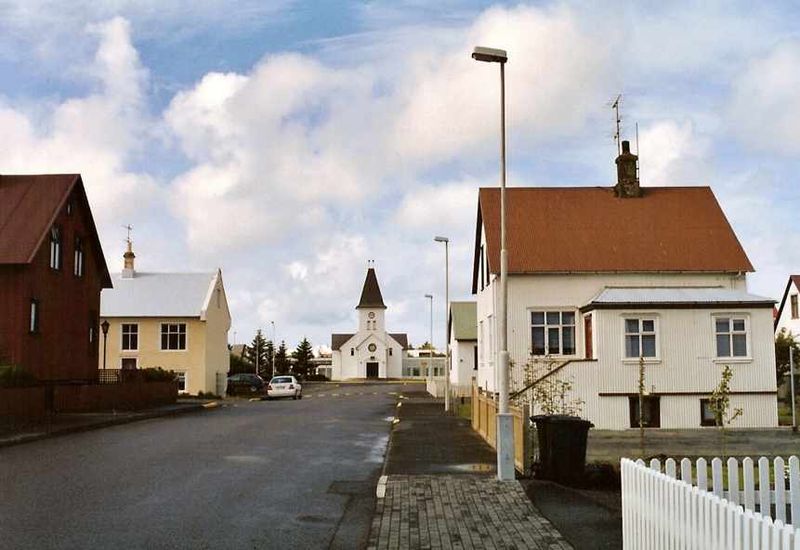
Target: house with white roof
788,316
462,334
603,278
176,321
371,352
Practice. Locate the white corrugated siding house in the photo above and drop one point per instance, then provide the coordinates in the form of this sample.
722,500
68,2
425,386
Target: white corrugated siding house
599,277
789,311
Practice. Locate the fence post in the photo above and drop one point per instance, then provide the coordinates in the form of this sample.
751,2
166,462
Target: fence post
527,459
794,492
780,489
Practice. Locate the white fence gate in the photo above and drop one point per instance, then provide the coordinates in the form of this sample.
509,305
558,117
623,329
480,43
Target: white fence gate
661,511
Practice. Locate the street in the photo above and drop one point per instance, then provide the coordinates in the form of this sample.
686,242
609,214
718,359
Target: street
276,474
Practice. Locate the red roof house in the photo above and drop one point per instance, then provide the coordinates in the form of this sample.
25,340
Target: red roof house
52,269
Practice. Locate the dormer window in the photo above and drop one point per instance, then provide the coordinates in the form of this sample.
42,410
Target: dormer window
55,248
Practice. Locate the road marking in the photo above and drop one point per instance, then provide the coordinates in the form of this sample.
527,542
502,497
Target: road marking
212,405
380,491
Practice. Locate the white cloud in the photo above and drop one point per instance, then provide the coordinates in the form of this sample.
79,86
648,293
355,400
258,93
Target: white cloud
672,153
447,206
765,104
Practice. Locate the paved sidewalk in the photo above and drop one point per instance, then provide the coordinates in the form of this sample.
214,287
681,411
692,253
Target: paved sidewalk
15,432
432,495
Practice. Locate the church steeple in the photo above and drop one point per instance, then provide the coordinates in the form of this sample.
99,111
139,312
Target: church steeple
371,297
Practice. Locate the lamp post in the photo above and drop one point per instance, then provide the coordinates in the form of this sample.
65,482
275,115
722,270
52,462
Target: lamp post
104,327
505,428
446,242
430,350
791,383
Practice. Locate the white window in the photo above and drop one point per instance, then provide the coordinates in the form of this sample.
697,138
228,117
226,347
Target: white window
130,336
731,333
553,332
482,341
173,336
180,377
55,247
34,324
640,338
78,260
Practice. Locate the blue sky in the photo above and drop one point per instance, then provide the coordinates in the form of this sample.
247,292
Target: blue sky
289,142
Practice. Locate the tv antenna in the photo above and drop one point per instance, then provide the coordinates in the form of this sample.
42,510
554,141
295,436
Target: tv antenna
617,122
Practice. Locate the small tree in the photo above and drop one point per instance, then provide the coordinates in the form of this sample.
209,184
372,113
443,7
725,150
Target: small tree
269,356
255,354
303,356
784,342
642,393
549,392
720,404
281,360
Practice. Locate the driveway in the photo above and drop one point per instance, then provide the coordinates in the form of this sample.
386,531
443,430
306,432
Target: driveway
277,474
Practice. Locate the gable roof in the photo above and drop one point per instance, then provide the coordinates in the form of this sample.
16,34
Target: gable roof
29,204
340,339
371,293
793,279
157,295
589,229
463,320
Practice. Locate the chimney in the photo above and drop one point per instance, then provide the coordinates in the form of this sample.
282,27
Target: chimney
127,271
627,177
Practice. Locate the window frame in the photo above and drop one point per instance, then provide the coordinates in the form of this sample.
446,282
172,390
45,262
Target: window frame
185,339
122,336
34,315
703,422
56,248
747,357
78,258
656,332
633,409
794,306
560,310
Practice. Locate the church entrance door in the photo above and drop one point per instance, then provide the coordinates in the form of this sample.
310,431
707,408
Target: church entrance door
372,370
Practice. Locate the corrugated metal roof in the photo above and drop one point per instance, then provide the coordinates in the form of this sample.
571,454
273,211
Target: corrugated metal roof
588,229
156,295
464,320
678,295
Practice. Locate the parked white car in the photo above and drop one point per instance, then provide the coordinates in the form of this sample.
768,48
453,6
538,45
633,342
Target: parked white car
284,386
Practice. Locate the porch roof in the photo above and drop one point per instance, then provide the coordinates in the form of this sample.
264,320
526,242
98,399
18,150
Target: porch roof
675,297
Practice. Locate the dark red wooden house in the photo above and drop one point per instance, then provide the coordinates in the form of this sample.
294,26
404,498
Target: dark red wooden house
52,269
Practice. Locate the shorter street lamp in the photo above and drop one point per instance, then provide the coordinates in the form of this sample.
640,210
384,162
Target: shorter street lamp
430,351
104,327
446,242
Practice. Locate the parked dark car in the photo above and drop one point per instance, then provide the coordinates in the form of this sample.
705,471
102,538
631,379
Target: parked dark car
245,384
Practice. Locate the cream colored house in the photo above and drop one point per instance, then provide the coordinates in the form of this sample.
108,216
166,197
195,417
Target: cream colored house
176,321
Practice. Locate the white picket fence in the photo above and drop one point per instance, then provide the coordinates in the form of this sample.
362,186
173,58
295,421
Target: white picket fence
659,510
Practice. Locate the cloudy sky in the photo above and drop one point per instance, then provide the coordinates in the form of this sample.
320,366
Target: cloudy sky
290,142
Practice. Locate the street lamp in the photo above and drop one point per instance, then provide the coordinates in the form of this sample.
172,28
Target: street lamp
104,327
446,242
505,427
430,350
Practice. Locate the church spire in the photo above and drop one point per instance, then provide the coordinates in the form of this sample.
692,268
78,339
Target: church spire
371,293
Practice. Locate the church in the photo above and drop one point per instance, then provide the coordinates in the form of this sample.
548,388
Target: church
371,352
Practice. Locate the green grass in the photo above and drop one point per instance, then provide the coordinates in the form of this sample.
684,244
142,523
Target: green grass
464,410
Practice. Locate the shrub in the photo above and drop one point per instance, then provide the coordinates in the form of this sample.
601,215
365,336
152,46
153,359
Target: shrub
15,376
315,378
157,374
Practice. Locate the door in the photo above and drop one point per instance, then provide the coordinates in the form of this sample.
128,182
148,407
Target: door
372,370
587,336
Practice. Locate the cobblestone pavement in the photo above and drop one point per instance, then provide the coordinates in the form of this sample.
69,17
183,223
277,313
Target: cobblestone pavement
459,512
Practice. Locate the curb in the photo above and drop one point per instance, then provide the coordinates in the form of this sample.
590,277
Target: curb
29,438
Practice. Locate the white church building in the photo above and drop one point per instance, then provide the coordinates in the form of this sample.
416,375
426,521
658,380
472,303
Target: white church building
371,352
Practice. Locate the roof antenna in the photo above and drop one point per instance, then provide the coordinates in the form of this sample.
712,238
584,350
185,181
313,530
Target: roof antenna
617,121
639,159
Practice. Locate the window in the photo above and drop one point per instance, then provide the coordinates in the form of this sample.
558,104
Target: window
92,328
731,333
553,332
640,338
130,336
651,411
707,415
390,352
180,377
795,312
34,321
480,269
78,263
372,348
173,336
352,351
55,247
481,341
475,358
128,363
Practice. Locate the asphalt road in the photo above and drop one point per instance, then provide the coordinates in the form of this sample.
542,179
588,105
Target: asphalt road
276,474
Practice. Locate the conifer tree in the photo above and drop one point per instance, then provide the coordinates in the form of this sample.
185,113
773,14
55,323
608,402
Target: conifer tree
256,354
281,360
303,356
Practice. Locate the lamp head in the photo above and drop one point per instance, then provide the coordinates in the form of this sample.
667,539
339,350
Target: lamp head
441,239
429,296
489,55
104,326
